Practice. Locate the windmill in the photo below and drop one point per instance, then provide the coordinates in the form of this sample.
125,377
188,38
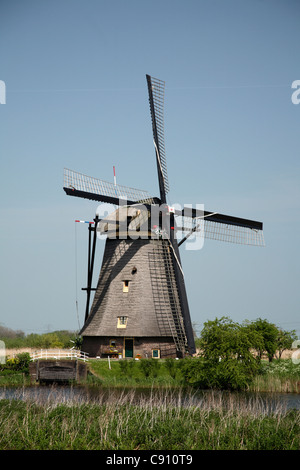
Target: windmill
140,304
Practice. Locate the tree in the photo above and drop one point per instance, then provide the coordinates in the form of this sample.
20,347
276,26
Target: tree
77,341
285,340
9,333
224,339
226,352
269,337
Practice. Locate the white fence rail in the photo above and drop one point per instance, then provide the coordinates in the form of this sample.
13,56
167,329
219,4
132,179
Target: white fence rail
60,354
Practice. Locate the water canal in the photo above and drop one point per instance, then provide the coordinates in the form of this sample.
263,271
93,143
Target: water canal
62,394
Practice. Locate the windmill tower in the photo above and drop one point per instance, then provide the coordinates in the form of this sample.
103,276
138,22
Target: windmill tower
140,304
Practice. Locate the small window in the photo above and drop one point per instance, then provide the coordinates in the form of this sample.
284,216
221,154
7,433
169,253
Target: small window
156,353
122,322
125,286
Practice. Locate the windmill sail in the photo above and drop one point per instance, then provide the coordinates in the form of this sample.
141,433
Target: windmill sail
156,89
80,185
219,227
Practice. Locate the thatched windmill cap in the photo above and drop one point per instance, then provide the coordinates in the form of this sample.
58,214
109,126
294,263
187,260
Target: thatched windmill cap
123,219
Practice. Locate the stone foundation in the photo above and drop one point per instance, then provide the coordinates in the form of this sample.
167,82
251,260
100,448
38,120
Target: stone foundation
56,371
123,347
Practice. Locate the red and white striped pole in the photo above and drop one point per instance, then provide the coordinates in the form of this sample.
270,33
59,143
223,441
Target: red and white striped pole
84,222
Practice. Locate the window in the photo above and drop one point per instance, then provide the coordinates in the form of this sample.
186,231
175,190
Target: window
125,286
156,353
122,322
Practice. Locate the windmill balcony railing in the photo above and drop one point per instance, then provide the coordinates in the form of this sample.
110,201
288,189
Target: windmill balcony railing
59,354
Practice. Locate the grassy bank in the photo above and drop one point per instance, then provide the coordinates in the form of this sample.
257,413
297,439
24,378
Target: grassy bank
278,376
161,421
131,373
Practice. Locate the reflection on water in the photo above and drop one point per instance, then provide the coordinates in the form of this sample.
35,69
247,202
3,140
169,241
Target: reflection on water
247,402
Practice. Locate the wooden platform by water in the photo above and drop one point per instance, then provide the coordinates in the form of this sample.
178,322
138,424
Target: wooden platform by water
58,371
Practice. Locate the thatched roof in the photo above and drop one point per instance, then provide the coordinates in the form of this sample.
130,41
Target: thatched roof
151,300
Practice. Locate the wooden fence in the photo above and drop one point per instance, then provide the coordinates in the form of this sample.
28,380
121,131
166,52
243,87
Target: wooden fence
59,354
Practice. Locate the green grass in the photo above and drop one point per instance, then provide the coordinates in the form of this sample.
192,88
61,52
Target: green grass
164,416
13,378
278,376
131,373
161,421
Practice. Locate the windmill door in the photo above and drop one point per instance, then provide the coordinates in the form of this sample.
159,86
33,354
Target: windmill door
128,347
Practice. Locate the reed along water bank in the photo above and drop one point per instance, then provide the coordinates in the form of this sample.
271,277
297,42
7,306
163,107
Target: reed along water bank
77,418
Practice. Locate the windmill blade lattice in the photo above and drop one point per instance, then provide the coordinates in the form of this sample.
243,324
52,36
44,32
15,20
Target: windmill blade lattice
156,89
97,189
225,232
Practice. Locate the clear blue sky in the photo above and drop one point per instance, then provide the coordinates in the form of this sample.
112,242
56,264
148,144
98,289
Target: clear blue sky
76,97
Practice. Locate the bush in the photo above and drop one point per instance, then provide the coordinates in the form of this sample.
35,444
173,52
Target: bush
224,374
149,367
226,359
23,361
19,363
126,366
171,366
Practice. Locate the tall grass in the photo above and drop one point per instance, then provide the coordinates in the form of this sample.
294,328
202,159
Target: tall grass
278,376
160,420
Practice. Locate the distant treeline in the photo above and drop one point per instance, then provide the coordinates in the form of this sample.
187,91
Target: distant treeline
56,339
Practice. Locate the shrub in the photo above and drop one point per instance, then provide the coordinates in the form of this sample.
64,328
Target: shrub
224,374
126,365
227,361
171,366
19,363
23,361
149,367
